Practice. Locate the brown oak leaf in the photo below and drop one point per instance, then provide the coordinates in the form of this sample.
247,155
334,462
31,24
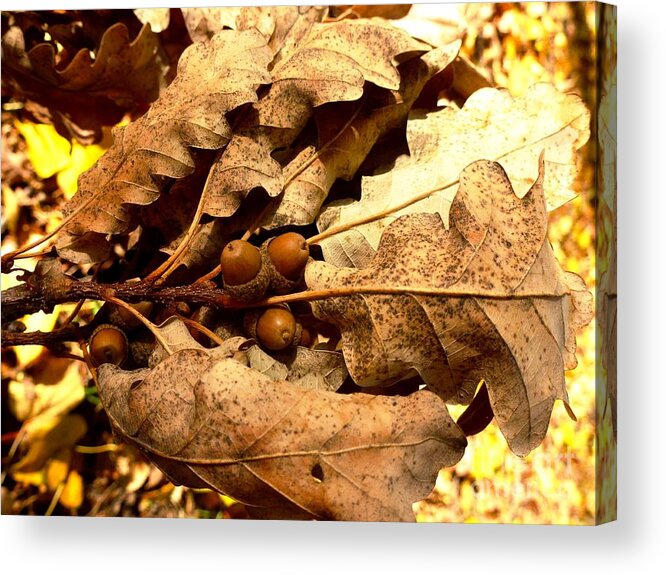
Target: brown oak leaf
212,80
207,420
484,299
331,64
124,75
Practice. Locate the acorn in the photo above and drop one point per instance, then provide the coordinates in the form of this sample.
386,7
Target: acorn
286,256
229,324
308,336
108,344
205,316
275,327
244,272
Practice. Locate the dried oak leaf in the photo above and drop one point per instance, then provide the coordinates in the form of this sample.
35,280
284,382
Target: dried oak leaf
203,23
157,18
207,420
484,299
492,125
283,27
212,80
331,64
343,147
125,75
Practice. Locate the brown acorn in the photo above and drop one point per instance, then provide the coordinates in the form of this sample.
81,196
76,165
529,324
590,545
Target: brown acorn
275,327
205,316
244,272
289,253
308,336
140,348
286,255
108,344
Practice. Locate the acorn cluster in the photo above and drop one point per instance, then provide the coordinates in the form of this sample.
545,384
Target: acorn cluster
249,274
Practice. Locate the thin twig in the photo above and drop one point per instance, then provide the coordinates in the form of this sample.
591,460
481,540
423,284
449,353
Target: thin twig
202,328
210,275
162,272
96,449
56,498
12,451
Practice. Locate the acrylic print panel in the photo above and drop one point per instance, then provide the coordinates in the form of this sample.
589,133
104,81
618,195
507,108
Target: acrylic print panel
339,263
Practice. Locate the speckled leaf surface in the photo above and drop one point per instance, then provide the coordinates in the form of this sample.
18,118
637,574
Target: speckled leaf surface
313,173
208,420
484,299
492,125
331,64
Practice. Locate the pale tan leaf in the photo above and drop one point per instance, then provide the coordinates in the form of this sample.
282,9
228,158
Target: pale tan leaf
174,336
157,18
484,299
493,126
292,25
437,24
209,421
212,79
203,23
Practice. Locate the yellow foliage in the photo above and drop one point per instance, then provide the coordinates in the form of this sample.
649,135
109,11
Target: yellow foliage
51,154
49,438
57,469
47,150
72,494
10,209
40,321
39,403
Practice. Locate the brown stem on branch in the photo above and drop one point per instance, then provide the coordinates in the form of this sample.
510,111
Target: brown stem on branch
37,296
48,338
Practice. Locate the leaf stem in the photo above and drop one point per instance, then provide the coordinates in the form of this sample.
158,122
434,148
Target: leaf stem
378,215
314,295
161,273
202,328
210,275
